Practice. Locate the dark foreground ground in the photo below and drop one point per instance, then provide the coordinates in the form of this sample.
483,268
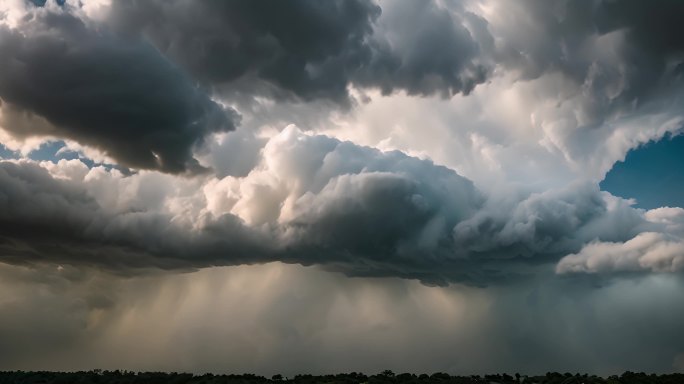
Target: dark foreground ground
386,377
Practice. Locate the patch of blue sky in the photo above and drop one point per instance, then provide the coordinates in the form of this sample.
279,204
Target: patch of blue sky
52,151
41,3
653,174
57,150
6,153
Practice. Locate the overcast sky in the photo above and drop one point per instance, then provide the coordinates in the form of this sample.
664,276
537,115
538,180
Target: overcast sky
326,186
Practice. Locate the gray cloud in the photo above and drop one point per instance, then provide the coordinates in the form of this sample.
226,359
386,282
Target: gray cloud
303,47
551,223
309,49
312,200
625,54
647,251
312,50
352,207
372,213
659,248
305,199
516,275
60,77
437,54
46,219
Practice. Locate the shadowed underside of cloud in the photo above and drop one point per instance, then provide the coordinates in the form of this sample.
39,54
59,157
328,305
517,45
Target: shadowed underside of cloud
49,219
315,201
312,200
62,78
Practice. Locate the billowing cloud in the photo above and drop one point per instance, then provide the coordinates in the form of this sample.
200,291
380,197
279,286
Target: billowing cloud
608,74
56,219
311,200
308,198
647,251
620,51
661,251
309,49
447,155
60,77
547,223
439,55
304,204
305,47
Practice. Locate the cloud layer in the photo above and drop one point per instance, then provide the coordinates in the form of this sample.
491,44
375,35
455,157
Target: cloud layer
149,84
311,200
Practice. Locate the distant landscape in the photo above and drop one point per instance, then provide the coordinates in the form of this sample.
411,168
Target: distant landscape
126,377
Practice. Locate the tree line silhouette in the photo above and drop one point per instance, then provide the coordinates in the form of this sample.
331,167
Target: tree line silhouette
385,377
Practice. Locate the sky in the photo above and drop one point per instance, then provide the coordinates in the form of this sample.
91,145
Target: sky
467,186
643,177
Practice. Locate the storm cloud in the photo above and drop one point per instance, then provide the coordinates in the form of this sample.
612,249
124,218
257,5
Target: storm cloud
62,78
603,63
138,81
310,49
445,155
312,200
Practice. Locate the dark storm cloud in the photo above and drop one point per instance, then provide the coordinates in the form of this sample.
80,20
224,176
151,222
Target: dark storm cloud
654,54
392,218
46,219
624,54
59,77
304,47
569,278
651,31
309,49
315,50
425,49
550,223
349,208
365,212
377,216
313,199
